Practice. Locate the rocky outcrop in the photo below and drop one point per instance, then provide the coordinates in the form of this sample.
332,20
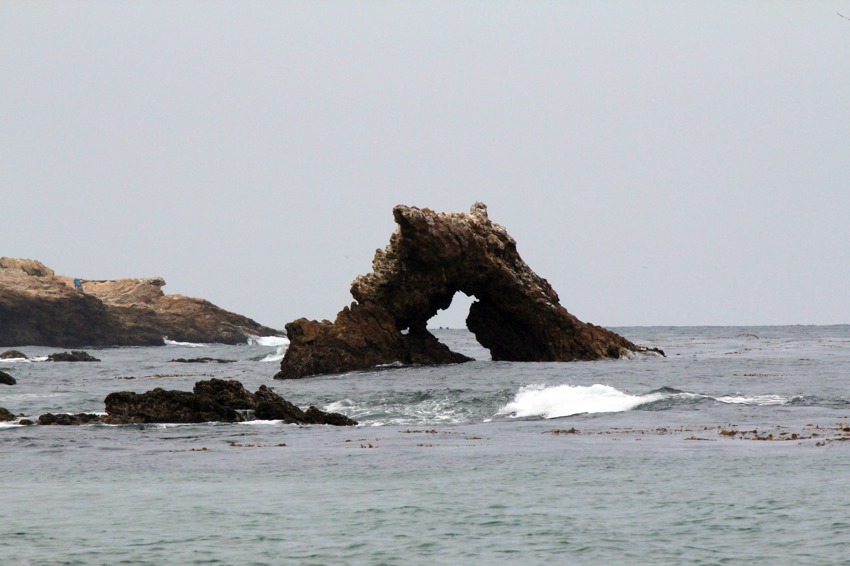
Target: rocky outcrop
6,415
13,355
214,400
66,419
431,257
40,308
6,379
73,356
362,337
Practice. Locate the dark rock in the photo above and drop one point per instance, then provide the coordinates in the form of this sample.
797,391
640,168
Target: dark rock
321,417
215,400
6,415
40,308
431,257
27,422
271,406
202,361
73,356
229,393
6,379
13,355
362,337
161,406
65,419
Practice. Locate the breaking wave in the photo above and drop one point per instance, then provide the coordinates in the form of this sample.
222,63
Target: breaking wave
555,401
565,400
268,341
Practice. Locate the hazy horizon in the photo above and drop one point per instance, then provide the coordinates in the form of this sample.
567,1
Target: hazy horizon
659,163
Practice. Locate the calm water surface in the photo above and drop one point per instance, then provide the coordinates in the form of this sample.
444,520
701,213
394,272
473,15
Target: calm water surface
642,461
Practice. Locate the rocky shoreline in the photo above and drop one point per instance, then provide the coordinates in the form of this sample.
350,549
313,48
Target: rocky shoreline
40,308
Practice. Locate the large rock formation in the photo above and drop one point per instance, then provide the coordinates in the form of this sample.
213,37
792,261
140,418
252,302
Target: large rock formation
430,257
40,308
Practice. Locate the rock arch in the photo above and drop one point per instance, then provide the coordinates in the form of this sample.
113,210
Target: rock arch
431,257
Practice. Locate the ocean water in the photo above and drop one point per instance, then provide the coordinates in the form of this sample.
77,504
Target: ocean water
731,450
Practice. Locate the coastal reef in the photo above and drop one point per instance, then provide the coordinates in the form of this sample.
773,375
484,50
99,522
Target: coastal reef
432,256
40,308
214,400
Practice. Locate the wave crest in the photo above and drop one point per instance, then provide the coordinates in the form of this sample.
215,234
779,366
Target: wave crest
550,402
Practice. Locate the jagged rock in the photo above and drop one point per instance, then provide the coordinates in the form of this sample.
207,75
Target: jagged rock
430,257
6,379
6,415
271,406
13,355
229,393
161,406
73,356
40,308
214,400
202,361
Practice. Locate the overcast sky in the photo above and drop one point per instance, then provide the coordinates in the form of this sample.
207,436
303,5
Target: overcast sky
660,163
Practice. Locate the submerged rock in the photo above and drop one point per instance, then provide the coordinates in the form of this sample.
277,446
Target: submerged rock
214,400
6,379
73,356
431,257
40,308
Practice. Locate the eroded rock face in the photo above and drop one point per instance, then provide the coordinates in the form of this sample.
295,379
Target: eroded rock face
40,308
430,257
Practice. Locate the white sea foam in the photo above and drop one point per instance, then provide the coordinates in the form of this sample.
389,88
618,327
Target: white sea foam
383,413
268,341
563,400
186,344
279,352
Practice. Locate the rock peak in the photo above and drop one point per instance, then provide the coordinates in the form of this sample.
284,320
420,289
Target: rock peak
479,210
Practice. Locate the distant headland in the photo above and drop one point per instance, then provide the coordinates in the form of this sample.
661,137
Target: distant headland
40,308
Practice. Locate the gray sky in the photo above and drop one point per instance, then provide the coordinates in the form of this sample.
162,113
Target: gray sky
680,163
